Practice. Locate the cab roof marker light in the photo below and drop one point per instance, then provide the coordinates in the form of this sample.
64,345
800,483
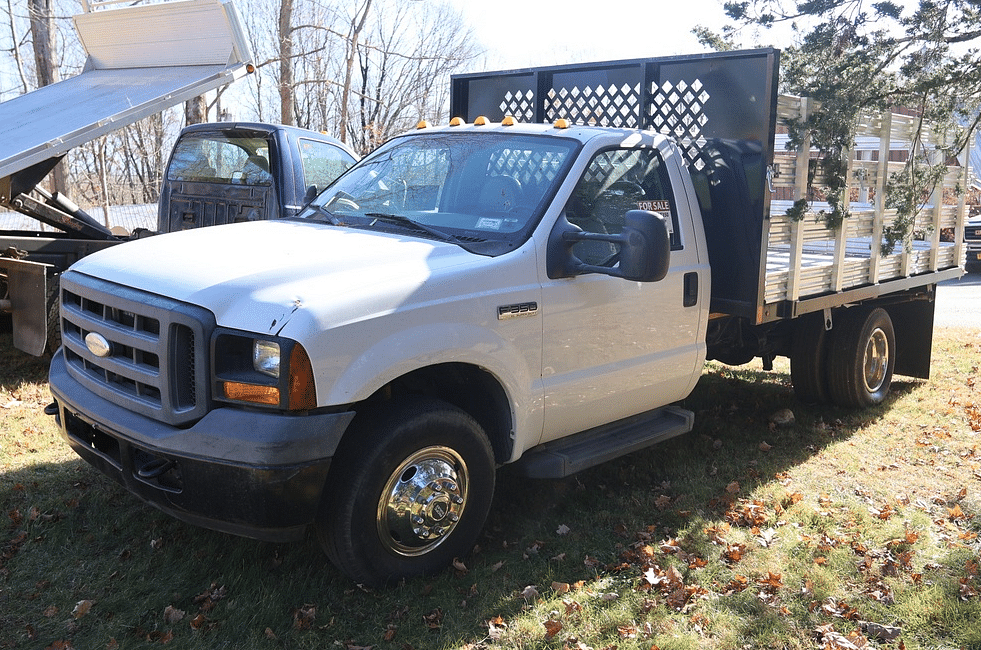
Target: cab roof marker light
481,121
562,123
423,124
457,121
508,121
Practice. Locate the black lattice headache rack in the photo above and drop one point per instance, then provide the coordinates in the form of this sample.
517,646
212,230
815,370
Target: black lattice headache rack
720,108
730,95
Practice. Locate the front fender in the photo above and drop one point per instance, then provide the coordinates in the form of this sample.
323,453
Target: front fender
512,355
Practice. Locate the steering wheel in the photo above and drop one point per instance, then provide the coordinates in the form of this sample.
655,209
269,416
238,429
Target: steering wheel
624,187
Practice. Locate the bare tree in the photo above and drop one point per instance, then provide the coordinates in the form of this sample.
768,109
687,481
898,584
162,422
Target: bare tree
14,51
404,70
361,73
286,61
351,44
196,110
45,64
43,41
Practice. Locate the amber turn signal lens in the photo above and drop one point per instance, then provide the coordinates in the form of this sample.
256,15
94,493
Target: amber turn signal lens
251,393
303,391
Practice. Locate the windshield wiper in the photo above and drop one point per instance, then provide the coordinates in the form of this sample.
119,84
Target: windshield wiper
400,219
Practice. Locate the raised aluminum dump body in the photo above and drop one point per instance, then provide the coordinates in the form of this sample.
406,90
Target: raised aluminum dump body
140,61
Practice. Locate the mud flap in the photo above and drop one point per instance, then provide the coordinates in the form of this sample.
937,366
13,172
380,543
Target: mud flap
27,284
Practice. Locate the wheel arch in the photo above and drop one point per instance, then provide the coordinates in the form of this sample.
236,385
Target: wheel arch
466,386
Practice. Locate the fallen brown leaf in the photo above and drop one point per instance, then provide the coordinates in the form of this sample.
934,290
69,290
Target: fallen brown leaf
304,617
173,615
82,608
552,628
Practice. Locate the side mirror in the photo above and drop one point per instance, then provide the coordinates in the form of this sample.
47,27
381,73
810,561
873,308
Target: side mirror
644,249
311,194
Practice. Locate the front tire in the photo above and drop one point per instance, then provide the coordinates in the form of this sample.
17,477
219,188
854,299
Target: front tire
862,358
409,491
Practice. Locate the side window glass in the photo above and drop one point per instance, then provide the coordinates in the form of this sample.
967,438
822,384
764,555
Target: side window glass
617,181
322,162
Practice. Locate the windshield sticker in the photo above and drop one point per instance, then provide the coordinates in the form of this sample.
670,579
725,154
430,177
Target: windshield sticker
486,223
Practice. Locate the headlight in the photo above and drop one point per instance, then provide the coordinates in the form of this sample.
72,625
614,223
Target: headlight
274,372
265,357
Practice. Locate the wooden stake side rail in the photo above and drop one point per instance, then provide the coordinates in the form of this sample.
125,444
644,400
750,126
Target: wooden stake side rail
806,259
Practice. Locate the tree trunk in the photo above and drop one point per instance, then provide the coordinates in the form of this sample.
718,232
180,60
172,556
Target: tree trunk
286,62
196,110
43,40
357,24
103,164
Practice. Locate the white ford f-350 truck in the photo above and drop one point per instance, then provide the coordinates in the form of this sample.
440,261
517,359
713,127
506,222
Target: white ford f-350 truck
494,291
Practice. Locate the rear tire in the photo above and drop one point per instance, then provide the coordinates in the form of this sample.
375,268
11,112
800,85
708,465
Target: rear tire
409,492
861,358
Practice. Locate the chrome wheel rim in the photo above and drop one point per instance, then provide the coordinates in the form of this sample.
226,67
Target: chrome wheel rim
422,501
876,362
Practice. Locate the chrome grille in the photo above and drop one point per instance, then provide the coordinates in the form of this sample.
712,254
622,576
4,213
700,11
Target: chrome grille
158,356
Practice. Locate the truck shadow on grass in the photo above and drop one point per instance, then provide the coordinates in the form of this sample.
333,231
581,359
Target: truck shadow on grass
71,535
741,440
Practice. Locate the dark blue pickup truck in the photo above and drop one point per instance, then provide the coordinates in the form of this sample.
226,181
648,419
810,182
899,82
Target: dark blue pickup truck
245,171
218,172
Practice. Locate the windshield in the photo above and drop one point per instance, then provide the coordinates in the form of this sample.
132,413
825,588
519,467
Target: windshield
485,191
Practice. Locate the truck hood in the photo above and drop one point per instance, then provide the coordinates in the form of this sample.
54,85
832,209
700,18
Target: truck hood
254,276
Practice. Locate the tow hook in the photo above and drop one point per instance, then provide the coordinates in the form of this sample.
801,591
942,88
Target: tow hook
155,468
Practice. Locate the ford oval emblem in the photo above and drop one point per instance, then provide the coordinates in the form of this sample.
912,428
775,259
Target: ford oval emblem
97,344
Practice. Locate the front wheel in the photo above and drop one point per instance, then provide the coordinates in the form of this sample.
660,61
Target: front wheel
862,358
410,491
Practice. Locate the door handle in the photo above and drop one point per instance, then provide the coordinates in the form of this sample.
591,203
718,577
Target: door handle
691,289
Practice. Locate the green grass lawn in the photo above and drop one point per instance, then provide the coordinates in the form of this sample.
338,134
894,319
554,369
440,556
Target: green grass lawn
841,529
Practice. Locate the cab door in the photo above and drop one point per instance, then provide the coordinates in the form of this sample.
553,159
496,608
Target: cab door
612,347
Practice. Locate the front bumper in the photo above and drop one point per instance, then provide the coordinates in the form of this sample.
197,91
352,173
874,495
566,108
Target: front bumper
249,473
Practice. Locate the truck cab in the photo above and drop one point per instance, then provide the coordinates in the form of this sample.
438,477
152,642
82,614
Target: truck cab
453,271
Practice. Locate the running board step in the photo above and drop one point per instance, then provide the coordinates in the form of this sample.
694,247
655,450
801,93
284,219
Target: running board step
575,453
